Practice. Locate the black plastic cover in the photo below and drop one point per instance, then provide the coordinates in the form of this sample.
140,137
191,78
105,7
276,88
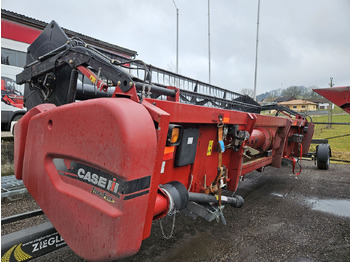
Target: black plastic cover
51,38
186,151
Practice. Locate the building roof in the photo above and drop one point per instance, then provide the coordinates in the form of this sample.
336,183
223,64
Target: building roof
318,100
298,102
284,98
267,100
31,22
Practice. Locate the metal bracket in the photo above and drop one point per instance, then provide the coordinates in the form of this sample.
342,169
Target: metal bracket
206,211
238,135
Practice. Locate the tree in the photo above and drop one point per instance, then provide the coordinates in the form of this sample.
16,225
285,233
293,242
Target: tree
247,92
312,93
293,91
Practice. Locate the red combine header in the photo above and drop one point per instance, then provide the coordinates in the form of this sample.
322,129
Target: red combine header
105,159
337,95
9,95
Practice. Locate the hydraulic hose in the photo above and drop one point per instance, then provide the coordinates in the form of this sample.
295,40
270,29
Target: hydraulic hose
235,201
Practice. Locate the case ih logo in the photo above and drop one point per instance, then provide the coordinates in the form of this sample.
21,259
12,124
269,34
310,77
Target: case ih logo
98,180
103,181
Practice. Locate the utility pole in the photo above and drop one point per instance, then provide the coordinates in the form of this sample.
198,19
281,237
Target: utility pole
330,111
256,50
209,41
177,38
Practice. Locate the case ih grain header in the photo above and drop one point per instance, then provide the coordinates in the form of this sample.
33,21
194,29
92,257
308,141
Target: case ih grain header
104,160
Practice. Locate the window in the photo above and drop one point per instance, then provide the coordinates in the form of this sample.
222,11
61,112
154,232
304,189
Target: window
294,106
302,106
13,57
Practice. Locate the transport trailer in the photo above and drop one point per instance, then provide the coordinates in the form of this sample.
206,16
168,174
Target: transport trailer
104,167
341,97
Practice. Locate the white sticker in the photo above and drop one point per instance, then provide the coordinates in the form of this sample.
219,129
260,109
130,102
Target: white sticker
224,198
190,141
163,167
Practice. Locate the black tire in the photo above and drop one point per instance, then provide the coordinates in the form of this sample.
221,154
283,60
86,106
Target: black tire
323,154
323,165
17,117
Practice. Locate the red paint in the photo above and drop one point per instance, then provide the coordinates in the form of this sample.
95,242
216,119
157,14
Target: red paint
168,153
18,32
337,95
256,139
101,133
226,118
21,130
100,84
161,205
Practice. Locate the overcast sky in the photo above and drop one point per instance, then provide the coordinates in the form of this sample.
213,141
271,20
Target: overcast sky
301,42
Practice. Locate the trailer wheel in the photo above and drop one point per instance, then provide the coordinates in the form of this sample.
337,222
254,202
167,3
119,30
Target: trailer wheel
17,117
323,153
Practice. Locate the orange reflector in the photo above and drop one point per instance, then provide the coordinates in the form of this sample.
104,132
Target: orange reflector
175,135
226,118
169,149
168,152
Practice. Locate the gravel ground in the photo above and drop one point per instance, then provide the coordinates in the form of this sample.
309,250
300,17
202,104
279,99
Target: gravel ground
285,218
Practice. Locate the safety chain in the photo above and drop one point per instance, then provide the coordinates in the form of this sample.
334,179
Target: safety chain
172,228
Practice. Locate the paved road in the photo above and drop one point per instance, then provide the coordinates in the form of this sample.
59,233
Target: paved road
285,218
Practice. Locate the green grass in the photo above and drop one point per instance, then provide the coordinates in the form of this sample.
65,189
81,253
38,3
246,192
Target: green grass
337,110
335,118
340,146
